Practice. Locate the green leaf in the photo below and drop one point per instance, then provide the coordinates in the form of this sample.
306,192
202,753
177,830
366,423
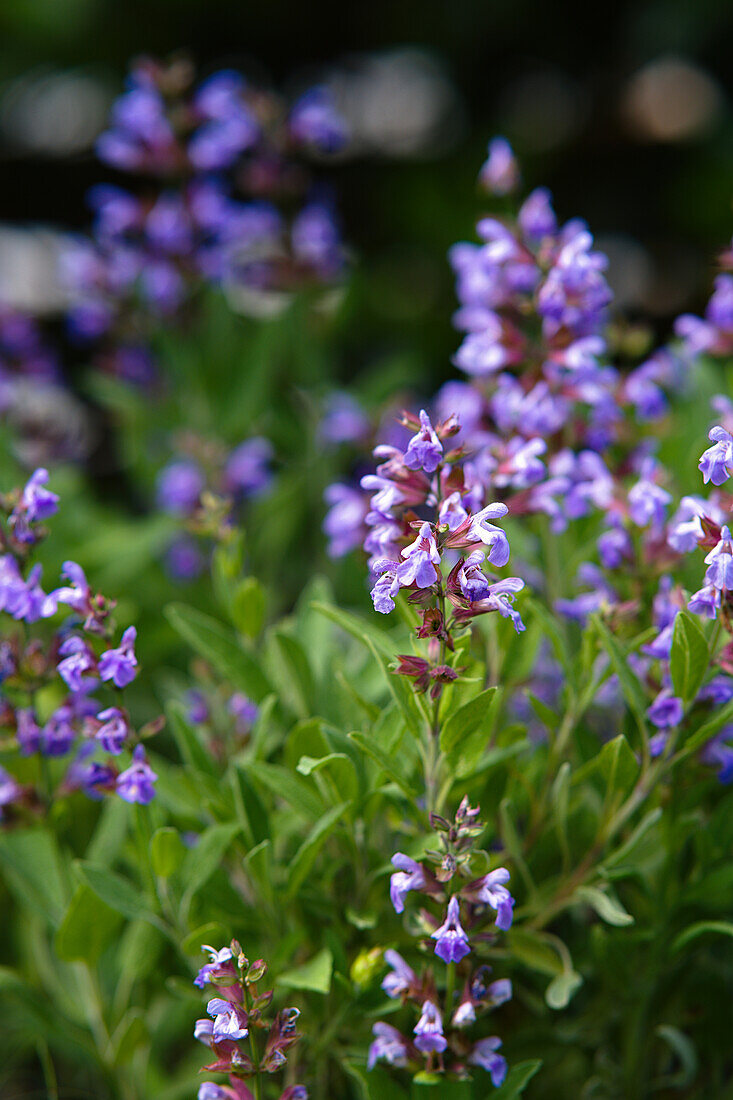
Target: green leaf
193,753
559,802
87,927
631,688
314,975
299,678
684,1048
382,649
388,763
219,645
375,1084
111,832
167,851
340,773
546,714
357,627
258,862
689,657
606,905
294,790
248,607
306,855
33,869
130,1033
518,1078
615,764
703,734
249,807
212,932
562,988
465,720
718,927
116,892
629,846
206,856
532,950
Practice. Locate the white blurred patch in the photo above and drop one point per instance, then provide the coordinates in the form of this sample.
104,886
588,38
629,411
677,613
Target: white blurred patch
671,99
29,268
54,113
399,103
49,424
630,269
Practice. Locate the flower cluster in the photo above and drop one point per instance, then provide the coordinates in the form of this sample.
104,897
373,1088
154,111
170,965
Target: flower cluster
226,718
442,1040
202,488
81,655
229,200
236,1014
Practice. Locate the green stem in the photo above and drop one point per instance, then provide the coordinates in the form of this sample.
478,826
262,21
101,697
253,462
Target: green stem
449,990
49,1071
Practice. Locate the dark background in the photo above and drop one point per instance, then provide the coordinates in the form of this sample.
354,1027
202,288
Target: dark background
568,84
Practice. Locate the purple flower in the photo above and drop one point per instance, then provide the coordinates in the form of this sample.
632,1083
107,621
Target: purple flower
9,790
230,1021
113,731
424,451
344,522
247,471
243,710
491,890
343,420
209,1091
705,601
89,775
648,502
401,977
231,128
314,120
77,659
219,961
719,752
198,707
451,940
614,546
203,1030
36,503
408,876
719,573
484,353
28,731
536,217
484,1055
657,744
316,240
58,733
135,784
421,557
500,172
429,1030
666,710
23,599
120,665
481,530
77,595
499,992
388,1046
183,560
685,529
179,487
